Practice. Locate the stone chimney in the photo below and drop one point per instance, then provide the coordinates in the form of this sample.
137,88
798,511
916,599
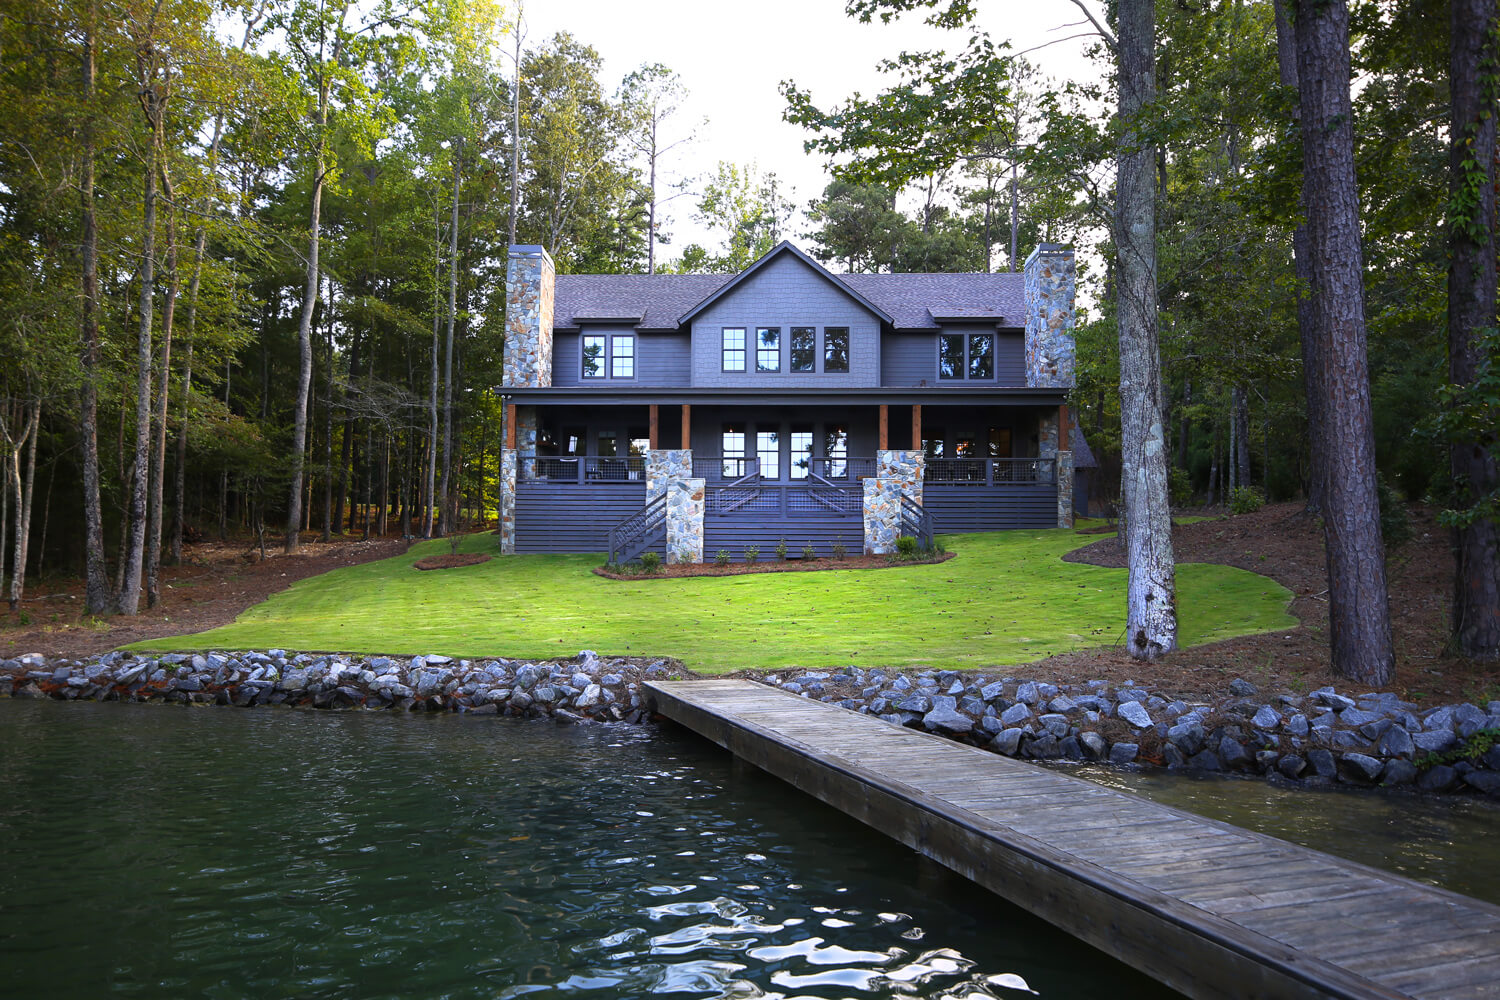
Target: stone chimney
530,281
1050,278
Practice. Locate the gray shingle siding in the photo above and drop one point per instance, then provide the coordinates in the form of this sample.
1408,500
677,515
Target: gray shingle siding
661,359
910,359
784,294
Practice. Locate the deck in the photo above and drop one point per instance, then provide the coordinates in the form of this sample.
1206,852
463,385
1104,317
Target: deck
1210,909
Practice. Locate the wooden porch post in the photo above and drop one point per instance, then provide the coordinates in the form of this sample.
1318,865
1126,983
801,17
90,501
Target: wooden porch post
1062,427
653,432
885,426
916,427
687,426
510,425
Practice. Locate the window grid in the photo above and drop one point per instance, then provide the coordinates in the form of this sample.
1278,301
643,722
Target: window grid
836,349
804,348
593,356
734,349
622,357
768,349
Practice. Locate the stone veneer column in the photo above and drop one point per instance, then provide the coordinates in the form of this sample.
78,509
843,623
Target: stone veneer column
507,501
882,516
526,439
1065,489
530,285
906,468
1047,435
685,521
1050,280
666,466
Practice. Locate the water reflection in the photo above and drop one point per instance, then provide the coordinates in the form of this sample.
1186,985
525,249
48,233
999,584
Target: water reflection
157,851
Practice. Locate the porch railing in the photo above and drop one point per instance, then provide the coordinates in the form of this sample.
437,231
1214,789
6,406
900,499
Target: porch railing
582,469
639,531
990,471
916,522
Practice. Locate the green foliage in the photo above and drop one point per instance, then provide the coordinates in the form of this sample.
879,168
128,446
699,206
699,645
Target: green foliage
650,561
721,557
752,553
1246,500
1470,415
1395,522
1473,748
907,547
781,550
840,550
808,552
1181,486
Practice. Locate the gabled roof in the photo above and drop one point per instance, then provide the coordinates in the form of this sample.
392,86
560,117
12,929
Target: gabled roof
784,247
668,302
1083,455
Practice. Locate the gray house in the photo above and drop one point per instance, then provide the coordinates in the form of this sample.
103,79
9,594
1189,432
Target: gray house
696,413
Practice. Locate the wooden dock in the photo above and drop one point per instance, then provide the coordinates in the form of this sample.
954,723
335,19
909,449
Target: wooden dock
1210,909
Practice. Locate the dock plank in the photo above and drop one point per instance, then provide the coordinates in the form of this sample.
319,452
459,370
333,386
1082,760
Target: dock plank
1207,908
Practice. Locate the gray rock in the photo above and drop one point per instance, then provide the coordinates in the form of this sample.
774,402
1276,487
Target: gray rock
1187,737
1134,713
1323,764
1028,693
945,719
1124,753
1173,756
520,700
991,725
901,684
1395,742
1062,704
1055,724
1439,719
1044,747
1007,742
1070,748
1233,754
1016,714
1398,772
1491,758
992,691
1359,769
1487,782
1241,688
592,696
1266,718
1298,725
972,705
1207,760
1337,702
542,694
919,703
1358,717
1095,747
1439,778
1436,741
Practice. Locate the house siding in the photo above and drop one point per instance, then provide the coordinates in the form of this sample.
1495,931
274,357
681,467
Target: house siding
552,517
966,508
785,293
822,533
911,359
660,359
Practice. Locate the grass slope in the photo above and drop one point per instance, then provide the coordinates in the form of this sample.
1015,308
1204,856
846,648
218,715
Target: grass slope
1007,598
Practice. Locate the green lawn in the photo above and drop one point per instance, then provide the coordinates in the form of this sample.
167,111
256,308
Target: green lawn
1006,598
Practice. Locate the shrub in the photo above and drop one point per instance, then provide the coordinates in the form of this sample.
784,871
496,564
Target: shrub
781,550
839,550
650,561
906,547
1245,500
752,553
454,541
1181,488
1395,523
808,552
721,557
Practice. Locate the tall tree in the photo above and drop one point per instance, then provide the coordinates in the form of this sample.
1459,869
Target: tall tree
1151,602
1358,608
650,97
1474,83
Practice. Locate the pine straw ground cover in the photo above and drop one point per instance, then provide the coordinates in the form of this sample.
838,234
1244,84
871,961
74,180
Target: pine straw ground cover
1007,598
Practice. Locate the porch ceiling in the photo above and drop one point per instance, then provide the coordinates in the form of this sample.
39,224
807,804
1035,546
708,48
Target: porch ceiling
641,395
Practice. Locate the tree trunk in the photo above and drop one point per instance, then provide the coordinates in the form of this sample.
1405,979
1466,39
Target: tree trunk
1286,60
515,156
1472,310
23,495
97,596
1358,612
1151,628
447,487
432,420
156,495
1240,414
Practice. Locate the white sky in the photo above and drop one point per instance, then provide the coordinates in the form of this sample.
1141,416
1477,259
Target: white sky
732,56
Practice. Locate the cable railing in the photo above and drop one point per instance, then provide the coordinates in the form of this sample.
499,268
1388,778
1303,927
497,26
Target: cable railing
639,531
583,469
783,501
990,471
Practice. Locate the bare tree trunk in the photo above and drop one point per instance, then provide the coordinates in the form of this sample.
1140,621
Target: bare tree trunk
1240,414
1472,310
1213,470
1151,628
158,485
23,494
97,595
328,405
515,161
1358,609
432,419
447,487
1286,60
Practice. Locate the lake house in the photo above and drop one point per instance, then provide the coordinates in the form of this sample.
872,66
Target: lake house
689,414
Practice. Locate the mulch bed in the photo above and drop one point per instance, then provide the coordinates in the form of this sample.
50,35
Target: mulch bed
452,561
680,570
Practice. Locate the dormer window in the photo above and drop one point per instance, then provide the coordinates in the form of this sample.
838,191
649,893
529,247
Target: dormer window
593,356
966,356
622,357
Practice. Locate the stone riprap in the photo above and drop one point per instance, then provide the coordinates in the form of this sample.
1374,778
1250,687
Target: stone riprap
1050,280
1323,738
580,688
685,505
530,287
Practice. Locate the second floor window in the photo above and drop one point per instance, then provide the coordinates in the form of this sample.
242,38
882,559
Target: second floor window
622,357
970,356
593,356
804,348
835,349
734,349
768,349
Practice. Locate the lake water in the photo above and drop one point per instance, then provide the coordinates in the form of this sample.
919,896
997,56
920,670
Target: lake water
165,852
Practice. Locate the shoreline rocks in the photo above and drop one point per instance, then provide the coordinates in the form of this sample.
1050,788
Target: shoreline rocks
576,689
1320,739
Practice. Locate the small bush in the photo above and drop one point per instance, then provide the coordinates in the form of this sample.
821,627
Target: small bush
454,541
840,550
906,547
1245,500
1181,487
1395,523
781,550
752,553
808,552
650,561
721,557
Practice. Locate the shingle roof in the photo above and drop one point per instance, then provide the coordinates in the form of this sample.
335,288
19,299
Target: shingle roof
1083,455
911,300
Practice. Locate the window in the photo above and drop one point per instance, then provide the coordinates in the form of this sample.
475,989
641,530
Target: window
622,357
950,355
804,348
836,450
836,349
607,445
981,355
732,447
593,356
768,450
933,446
963,446
963,356
768,349
802,449
999,442
734,349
